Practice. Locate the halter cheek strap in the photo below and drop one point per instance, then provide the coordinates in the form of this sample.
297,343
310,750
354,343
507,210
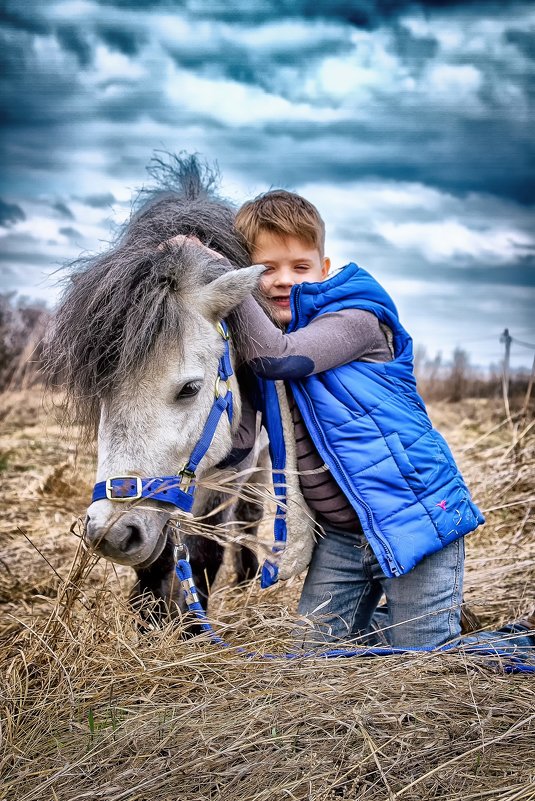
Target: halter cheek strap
178,490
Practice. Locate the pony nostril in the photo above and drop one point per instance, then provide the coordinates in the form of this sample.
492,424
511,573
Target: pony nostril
132,540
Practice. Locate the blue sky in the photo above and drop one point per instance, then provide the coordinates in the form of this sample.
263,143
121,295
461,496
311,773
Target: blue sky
410,125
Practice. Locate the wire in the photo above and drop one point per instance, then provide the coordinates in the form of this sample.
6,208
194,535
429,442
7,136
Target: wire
524,344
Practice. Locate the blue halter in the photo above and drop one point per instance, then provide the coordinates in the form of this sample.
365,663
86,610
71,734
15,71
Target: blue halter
166,488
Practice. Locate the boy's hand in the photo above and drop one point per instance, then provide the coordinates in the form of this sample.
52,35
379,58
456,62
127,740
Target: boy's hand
181,238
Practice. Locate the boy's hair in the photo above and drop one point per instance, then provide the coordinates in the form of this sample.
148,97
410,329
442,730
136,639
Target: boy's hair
284,214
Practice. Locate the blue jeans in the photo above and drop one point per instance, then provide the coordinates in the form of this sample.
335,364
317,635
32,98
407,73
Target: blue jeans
344,585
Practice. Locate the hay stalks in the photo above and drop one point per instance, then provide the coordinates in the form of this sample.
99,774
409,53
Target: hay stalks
91,709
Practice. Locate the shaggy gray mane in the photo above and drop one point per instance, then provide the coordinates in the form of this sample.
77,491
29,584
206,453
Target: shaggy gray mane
118,305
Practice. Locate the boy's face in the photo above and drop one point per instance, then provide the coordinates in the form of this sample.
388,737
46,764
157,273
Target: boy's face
289,261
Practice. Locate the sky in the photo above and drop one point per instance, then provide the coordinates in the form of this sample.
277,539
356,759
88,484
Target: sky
409,125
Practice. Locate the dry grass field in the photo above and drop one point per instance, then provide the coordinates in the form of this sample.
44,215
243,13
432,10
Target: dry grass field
92,710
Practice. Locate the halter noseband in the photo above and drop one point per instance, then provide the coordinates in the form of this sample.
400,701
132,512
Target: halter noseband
166,488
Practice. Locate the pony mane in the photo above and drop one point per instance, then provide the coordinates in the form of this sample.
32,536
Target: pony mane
118,305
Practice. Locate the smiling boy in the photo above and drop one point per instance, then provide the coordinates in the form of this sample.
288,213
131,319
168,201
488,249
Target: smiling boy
390,503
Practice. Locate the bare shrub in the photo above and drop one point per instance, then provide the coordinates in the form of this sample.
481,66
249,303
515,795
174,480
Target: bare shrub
22,326
457,380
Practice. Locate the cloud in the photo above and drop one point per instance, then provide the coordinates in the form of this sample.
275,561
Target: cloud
75,41
70,233
38,84
365,14
117,38
98,201
409,123
23,17
267,56
63,209
10,213
411,49
450,239
524,41
393,102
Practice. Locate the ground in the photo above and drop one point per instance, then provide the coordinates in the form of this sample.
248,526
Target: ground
93,710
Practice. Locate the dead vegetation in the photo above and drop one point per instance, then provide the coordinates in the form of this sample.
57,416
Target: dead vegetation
93,710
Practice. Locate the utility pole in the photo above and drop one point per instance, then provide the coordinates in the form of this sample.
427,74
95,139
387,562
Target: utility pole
506,339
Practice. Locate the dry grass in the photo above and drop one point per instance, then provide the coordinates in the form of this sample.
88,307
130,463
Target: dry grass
91,710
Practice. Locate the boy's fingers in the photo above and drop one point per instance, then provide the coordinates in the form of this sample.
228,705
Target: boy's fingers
181,238
174,240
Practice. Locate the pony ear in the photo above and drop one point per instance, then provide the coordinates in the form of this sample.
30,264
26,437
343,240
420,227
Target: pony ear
226,291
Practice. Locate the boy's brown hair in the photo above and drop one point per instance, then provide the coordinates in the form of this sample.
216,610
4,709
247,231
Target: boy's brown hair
281,213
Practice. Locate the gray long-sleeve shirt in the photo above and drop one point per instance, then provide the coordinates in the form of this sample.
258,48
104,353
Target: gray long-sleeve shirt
328,341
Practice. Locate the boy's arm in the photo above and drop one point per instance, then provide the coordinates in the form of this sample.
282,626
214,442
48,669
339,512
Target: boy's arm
328,341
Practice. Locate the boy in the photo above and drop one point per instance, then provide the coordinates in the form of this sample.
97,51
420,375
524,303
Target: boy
390,503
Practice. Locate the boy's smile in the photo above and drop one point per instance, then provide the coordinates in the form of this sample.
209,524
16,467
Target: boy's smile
289,261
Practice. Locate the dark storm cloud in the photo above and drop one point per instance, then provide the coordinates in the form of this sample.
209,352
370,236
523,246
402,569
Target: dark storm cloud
135,102
98,201
257,67
70,233
490,155
63,209
524,41
10,213
467,273
414,50
367,14
22,17
33,91
75,41
23,249
118,38
394,139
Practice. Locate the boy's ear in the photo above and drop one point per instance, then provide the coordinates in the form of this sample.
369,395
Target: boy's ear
225,292
326,266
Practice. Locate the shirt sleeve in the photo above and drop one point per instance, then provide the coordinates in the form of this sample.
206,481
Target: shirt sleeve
328,341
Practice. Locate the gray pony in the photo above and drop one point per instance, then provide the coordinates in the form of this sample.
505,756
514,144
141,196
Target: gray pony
135,345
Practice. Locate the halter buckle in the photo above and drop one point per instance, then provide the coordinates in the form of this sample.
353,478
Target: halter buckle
186,477
123,488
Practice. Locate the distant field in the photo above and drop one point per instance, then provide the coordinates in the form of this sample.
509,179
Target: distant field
91,710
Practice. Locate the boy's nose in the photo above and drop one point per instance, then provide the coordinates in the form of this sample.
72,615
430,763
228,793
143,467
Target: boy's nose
284,278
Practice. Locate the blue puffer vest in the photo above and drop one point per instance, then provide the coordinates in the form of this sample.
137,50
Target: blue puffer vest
371,428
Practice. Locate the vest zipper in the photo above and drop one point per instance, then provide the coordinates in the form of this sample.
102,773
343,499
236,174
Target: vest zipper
294,296
390,558
393,564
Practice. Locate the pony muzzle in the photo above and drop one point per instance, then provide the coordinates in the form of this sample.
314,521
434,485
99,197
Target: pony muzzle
131,537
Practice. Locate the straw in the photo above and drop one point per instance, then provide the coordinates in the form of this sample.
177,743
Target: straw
93,709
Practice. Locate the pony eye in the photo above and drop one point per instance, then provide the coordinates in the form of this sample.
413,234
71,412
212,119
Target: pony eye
189,390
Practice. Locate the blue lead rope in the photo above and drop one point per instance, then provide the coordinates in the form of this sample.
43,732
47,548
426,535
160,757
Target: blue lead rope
512,664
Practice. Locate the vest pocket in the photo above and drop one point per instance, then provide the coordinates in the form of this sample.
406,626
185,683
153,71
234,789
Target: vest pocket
404,464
